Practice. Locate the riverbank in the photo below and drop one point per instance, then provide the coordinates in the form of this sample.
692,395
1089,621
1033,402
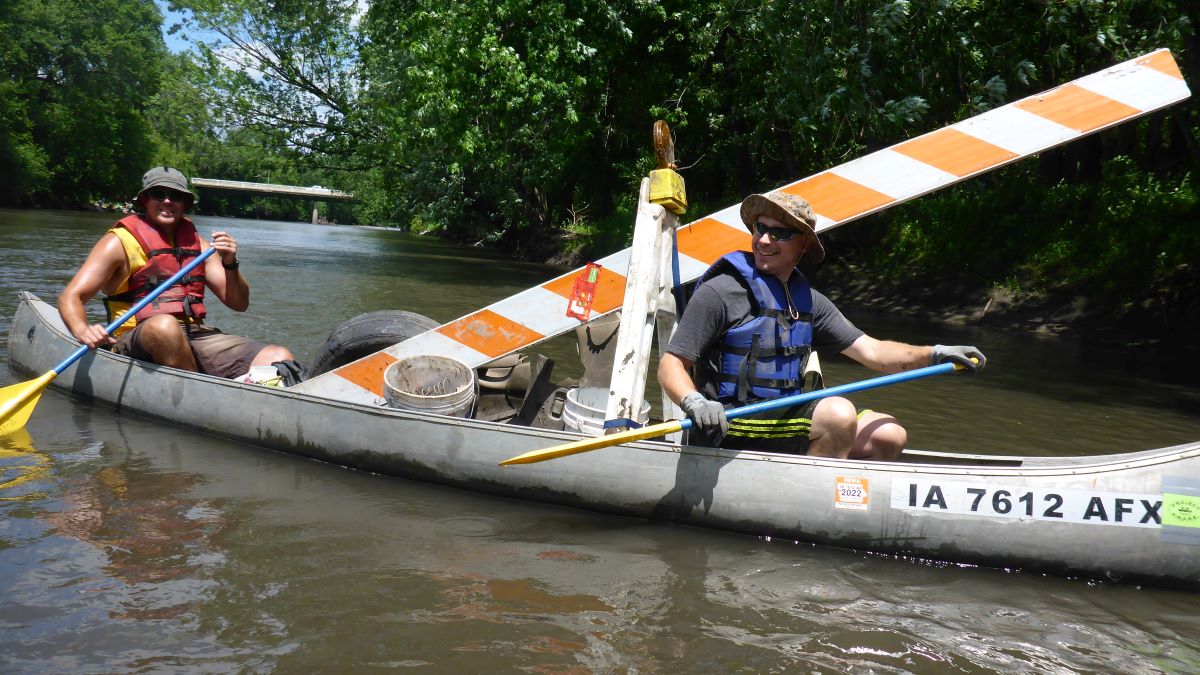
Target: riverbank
1167,318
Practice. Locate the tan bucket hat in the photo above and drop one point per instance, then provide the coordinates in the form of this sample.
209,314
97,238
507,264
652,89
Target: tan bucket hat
790,210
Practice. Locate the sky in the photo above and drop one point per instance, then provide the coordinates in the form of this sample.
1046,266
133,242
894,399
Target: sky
176,43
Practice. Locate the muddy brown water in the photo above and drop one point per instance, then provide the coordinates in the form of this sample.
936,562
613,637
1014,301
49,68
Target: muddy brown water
127,545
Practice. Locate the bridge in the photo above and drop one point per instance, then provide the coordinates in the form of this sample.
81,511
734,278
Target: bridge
316,193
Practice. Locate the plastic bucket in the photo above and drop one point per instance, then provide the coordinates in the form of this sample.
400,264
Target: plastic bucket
584,410
431,384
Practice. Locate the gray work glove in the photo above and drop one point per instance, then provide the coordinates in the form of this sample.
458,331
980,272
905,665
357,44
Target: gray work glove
292,372
707,415
960,354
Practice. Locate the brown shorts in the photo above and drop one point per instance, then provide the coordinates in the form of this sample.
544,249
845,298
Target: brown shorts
216,353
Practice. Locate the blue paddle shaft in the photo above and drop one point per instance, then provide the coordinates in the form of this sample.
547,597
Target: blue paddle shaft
786,401
137,307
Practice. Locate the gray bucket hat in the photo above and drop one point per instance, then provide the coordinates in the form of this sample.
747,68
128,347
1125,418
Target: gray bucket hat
165,176
790,210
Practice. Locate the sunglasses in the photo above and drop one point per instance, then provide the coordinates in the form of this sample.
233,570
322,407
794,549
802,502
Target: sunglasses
161,195
775,233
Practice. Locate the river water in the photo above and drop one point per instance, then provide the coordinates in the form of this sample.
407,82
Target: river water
126,545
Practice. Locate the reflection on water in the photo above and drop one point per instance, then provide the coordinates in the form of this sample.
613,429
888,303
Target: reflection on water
156,540
20,463
128,545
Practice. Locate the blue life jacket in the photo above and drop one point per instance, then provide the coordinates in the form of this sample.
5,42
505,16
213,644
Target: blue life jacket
765,356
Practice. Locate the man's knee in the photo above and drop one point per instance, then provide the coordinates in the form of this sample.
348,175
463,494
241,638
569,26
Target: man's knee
891,434
161,337
161,328
835,414
880,437
272,353
834,421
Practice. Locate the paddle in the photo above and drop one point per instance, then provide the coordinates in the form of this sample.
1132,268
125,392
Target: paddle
18,400
654,430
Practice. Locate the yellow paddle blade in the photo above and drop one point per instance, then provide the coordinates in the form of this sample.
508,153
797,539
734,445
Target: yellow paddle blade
534,456
18,400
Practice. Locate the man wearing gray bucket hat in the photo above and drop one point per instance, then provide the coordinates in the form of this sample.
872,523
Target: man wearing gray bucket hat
752,329
147,247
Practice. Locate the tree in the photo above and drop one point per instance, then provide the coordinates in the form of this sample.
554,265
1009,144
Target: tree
77,78
289,67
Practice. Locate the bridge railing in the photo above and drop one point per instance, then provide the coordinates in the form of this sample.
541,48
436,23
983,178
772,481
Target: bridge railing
313,192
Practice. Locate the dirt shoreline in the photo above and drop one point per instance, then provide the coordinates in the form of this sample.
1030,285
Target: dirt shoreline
1168,318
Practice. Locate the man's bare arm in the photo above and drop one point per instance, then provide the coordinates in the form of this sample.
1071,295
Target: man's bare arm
102,270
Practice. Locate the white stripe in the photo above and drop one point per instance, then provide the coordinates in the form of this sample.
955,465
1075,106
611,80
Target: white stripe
536,308
824,223
690,268
1136,86
731,216
1016,130
334,386
617,262
434,342
894,174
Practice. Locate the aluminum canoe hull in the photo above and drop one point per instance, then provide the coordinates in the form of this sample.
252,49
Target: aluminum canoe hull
1131,517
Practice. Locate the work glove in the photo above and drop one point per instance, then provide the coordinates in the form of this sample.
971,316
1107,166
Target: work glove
291,371
960,354
707,416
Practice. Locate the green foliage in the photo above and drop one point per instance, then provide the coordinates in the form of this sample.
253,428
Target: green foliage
75,79
288,67
526,124
1113,237
497,119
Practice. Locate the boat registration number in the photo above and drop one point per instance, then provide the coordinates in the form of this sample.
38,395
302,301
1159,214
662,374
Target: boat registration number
1068,506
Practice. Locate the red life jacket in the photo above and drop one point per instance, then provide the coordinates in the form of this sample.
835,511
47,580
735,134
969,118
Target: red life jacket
184,300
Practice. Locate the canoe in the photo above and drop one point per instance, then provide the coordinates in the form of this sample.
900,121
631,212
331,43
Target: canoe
1132,518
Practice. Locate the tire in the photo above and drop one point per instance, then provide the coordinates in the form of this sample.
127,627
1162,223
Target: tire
366,334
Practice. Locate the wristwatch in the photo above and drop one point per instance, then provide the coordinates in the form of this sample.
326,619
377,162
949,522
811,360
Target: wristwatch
231,266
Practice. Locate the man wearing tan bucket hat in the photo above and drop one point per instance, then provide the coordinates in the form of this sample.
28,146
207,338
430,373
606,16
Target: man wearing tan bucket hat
145,248
749,331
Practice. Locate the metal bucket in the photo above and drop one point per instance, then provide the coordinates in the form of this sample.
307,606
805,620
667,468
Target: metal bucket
431,384
585,410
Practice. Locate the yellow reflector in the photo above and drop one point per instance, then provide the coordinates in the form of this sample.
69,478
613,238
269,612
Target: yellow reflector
667,190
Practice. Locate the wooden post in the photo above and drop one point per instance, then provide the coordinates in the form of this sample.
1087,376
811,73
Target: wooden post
648,298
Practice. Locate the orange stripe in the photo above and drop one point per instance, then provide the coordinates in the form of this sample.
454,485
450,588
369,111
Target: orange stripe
367,372
1163,62
1077,108
708,239
954,152
610,289
489,333
837,198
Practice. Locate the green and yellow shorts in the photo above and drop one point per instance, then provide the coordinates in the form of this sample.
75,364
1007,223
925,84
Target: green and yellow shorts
781,430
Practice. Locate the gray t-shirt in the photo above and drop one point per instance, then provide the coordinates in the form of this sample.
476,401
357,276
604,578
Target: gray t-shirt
722,303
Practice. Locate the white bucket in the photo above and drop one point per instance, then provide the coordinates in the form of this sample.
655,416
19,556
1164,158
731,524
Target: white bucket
432,384
585,410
